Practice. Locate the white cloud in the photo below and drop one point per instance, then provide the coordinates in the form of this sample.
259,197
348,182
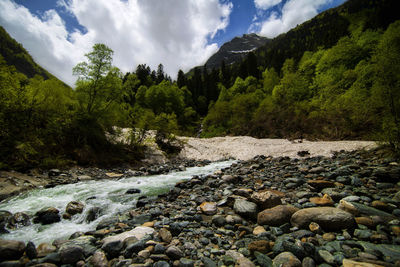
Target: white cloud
294,12
266,4
171,32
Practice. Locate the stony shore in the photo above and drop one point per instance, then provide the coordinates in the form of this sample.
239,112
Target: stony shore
266,211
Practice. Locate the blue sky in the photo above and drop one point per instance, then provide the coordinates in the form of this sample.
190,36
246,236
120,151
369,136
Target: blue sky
179,34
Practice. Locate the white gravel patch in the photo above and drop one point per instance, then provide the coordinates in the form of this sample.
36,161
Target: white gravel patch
245,148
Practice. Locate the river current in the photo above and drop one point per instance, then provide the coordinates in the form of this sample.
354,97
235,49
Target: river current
109,195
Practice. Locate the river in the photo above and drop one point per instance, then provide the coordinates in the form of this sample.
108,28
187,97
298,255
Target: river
109,195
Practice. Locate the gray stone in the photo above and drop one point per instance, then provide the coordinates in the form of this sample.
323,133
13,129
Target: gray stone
74,207
47,215
263,260
245,208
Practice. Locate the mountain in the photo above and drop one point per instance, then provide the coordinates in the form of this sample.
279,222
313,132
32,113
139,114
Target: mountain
236,50
15,55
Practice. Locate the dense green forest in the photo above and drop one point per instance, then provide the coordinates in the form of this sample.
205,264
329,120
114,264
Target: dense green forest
336,76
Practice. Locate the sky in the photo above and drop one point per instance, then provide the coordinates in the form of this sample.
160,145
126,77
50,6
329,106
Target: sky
180,34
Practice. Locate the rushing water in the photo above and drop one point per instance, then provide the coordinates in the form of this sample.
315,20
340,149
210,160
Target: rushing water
109,195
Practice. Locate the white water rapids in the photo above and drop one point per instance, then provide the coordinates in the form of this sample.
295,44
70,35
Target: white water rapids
109,195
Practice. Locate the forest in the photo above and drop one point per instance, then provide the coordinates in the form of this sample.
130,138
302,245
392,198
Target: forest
334,77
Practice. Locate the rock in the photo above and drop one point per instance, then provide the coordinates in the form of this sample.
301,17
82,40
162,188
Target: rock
259,230
229,179
366,221
174,253
45,249
19,219
208,262
133,191
11,249
47,215
71,254
4,218
286,259
30,250
308,262
244,262
183,262
233,219
356,209
138,232
92,214
144,254
74,207
352,263
218,220
326,256
260,246
326,200
209,208
99,259
321,184
330,219
263,260
266,199
113,249
317,170
161,264
165,235
276,216
245,208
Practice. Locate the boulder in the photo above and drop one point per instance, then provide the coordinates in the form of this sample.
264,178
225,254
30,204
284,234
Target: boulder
19,219
74,207
47,215
329,218
266,199
11,249
245,208
326,200
276,216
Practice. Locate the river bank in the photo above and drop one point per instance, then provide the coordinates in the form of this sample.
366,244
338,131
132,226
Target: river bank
306,211
200,150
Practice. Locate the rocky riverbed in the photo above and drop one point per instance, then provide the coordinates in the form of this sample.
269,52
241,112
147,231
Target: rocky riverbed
266,211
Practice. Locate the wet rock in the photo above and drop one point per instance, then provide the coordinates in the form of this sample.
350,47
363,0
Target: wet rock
47,215
244,262
286,259
209,208
266,199
184,262
276,216
259,230
330,219
92,214
19,219
71,254
229,179
133,191
30,250
74,207
361,209
11,249
245,208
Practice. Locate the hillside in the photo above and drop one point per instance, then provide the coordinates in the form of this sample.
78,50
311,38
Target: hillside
15,55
